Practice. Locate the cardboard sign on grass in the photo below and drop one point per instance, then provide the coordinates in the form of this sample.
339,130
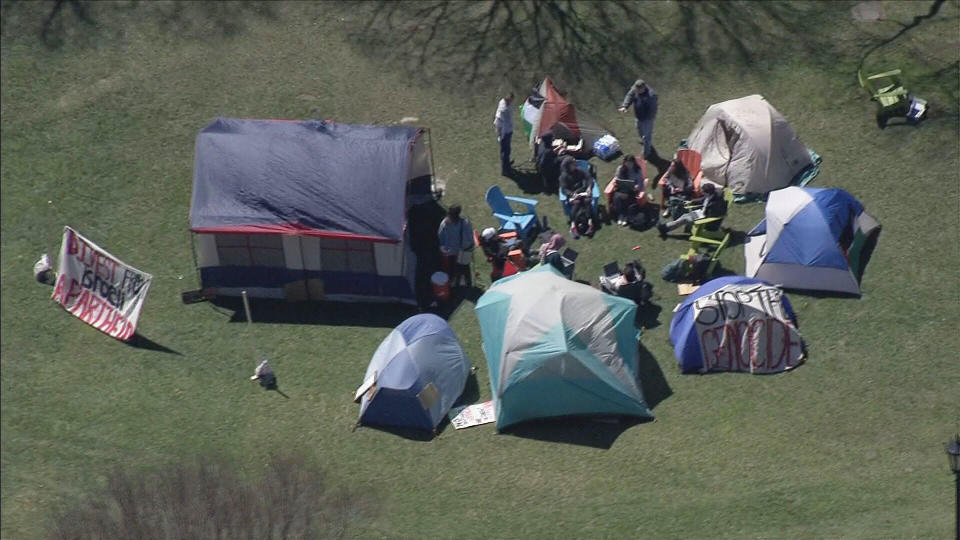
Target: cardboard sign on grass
472,415
98,288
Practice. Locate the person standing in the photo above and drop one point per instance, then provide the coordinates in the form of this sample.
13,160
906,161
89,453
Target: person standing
456,245
503,122
644,102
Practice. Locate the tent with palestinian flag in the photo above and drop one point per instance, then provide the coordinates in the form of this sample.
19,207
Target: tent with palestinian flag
546,109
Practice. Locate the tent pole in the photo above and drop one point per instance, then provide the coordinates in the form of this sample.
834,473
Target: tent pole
433,172
193,251
303,267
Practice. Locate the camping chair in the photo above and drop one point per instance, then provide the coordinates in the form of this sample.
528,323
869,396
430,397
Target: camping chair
691,160
594,191
612,186
709,229
892,98
707,246
524,223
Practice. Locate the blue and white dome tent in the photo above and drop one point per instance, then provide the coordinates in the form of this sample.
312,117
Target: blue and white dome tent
736,323
415,375
812,239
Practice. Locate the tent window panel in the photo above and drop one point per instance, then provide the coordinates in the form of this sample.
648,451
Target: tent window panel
333,243
232,240
334,260
361,262
234,256
271,241
267,257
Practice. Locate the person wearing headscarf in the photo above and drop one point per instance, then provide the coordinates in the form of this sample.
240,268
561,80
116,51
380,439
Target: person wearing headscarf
550,252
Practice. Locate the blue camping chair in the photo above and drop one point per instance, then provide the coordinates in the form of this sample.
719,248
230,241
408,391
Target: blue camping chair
594,191
524,223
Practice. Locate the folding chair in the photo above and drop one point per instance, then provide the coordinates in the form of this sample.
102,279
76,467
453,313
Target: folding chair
523,222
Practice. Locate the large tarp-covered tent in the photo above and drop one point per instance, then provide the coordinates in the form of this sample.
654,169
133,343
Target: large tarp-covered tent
748,146
306,209
555,347
812,238
415,375
546,110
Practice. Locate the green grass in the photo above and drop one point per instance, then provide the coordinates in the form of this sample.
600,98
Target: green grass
849,445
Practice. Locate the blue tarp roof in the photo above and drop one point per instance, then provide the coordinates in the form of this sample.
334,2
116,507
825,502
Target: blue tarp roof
306,177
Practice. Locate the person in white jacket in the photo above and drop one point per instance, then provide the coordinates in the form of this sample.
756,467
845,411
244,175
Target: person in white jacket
503,122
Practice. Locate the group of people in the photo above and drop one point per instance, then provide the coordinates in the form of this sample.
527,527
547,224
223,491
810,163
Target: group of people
559,170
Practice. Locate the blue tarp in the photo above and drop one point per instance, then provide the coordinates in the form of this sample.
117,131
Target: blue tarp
305,177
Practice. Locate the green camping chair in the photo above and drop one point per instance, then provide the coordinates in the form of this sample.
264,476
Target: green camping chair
892,98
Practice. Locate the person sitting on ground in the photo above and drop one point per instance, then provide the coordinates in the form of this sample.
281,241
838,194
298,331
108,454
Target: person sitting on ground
630,274
550,252
677,184
576,186
713,205
496,250
548,164
629,182
456,245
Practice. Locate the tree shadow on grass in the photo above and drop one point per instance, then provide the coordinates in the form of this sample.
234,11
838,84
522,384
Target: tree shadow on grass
589,431
139,341
84,22
320,313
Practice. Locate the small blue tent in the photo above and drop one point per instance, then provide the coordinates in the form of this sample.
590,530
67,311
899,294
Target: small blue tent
736,323
812,239
415,376
556,347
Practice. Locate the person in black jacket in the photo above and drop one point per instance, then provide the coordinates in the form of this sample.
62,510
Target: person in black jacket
548,163
644,101
713,206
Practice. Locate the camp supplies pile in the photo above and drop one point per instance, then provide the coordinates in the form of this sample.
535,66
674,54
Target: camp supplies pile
734,323
305,210
415,376
812,238
100,289
748,146
555,347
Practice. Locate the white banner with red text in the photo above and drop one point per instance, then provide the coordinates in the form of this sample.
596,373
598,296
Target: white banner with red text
98,288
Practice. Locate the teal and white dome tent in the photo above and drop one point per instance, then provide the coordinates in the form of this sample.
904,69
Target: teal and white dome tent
556,347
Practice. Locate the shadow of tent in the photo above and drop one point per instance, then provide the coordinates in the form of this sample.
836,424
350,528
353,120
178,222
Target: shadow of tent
737,238
652,382
471,392
587,431
139,341
648,316
322,313
418,435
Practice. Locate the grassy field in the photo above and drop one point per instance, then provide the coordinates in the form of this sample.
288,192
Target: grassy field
98,126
